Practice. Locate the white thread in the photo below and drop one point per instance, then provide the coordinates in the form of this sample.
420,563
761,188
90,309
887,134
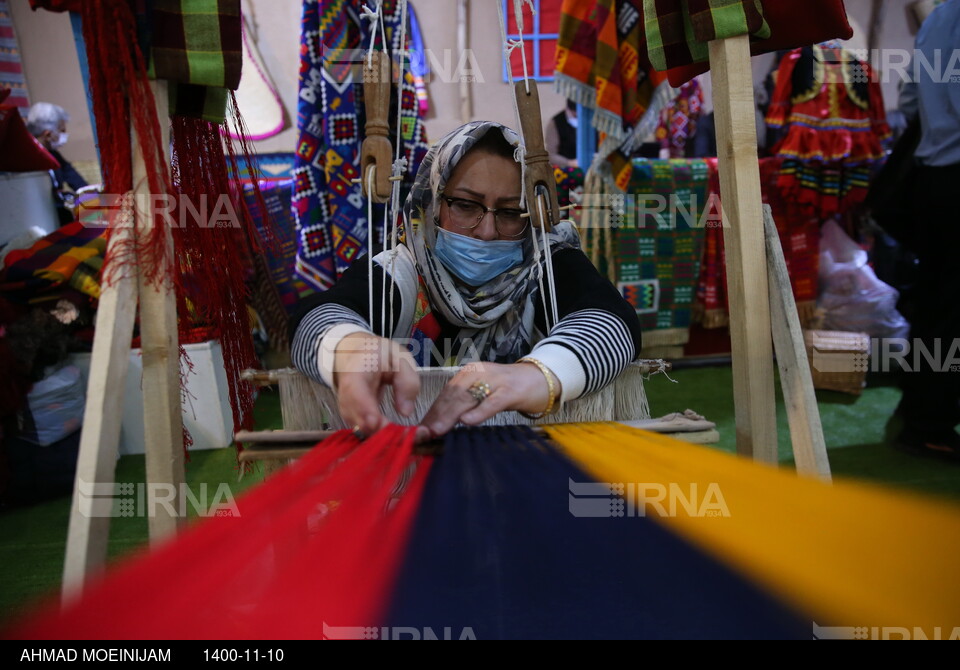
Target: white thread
521,151
549,260
371,180
537,256
398,169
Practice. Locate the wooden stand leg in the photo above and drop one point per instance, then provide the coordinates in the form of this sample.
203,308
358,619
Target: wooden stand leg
753,388
162,418
806,431
94,488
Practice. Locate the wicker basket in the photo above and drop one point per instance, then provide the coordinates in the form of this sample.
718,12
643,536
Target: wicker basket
838,360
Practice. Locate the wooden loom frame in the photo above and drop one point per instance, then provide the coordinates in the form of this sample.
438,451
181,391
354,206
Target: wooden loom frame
753,281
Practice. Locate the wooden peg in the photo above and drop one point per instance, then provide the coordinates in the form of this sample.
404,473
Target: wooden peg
537,168
376,149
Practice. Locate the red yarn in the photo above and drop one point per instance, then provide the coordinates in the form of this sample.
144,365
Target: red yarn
311,553
211,227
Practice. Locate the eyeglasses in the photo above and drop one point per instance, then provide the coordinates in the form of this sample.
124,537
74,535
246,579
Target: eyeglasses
468,214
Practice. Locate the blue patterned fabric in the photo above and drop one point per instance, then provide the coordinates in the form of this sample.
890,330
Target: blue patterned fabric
330,210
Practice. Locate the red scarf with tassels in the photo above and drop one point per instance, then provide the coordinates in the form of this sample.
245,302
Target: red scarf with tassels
212,230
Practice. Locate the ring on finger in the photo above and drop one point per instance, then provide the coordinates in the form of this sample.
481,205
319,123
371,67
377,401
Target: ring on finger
480,391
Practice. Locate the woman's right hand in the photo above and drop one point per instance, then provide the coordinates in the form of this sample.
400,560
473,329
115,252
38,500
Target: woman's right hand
364,365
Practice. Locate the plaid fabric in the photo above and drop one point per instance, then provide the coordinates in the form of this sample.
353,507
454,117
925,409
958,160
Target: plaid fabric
657,252
197,44
677,31
69,258
601,63
200,102
793,23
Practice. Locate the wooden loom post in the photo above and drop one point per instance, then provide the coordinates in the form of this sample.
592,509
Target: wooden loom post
750,327
162,417
89,526
95,489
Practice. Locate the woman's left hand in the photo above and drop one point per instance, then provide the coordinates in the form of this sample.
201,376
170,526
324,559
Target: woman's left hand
517,386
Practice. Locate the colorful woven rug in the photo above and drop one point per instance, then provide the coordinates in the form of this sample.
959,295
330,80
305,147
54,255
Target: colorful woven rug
329,208
658,246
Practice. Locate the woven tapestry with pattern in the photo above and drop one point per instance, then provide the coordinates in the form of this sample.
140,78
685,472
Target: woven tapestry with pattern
799,237
657,248
277,286
329,208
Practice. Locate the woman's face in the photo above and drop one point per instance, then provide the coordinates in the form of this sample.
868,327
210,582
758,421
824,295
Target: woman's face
491,180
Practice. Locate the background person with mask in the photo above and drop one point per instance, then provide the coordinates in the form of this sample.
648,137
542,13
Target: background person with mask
48,123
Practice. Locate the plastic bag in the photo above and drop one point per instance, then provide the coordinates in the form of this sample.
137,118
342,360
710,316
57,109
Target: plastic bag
54,407
852,298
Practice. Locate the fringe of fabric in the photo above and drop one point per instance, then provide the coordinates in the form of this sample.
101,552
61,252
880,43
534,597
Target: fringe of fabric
214,240
123,99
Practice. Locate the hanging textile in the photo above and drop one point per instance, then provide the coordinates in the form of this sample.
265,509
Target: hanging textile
601,63
792,24
329,208
678,30
419,68
657,246
832,107
195,44
591,531
11,67
678,122
799,232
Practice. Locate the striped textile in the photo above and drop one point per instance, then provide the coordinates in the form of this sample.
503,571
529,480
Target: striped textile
198,41
601,62
11,68
69,258
599,340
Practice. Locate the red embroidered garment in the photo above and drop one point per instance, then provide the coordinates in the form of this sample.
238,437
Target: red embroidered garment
831,104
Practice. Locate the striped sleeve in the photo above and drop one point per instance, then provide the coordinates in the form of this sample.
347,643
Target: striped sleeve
317,336
587,350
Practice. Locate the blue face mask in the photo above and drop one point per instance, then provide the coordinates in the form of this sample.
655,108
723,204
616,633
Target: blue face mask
476,261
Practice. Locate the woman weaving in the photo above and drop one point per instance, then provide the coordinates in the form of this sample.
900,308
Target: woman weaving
465,290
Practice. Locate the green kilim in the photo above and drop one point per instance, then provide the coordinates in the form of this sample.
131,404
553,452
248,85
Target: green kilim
658,247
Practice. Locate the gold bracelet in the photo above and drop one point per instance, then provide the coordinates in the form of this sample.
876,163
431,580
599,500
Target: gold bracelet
551,389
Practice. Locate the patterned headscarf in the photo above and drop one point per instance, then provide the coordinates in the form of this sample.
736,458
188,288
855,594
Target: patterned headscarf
497,319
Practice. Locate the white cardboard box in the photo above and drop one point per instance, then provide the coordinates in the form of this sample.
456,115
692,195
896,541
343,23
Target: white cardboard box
206,409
